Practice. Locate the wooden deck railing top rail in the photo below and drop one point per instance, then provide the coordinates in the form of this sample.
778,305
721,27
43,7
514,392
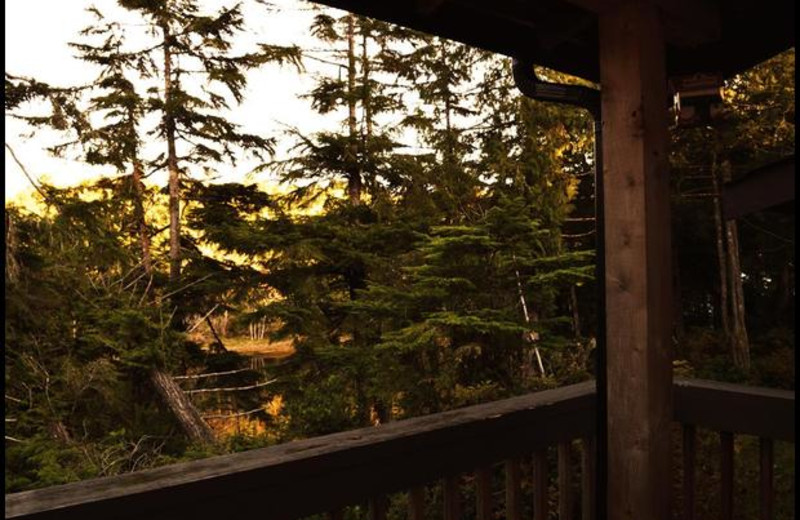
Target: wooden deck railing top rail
748,410
325,473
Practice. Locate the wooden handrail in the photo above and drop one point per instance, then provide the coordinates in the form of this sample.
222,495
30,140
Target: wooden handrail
741,409
324,473
330,472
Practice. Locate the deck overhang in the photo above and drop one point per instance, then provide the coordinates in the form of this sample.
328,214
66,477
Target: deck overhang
767,187
724,36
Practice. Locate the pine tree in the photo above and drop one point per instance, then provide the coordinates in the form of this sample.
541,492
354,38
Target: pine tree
359,155
441,73
193,44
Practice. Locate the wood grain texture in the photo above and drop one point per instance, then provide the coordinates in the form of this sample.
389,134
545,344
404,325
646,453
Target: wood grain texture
452,498
513,489
638,258
540,485
483,493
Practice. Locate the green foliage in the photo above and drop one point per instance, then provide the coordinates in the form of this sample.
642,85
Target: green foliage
80,340
436,281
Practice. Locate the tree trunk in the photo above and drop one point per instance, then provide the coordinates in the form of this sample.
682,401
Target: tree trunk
366,99
220,346
181,407
721,256
172,164
740,344
11,268
141,223
353,174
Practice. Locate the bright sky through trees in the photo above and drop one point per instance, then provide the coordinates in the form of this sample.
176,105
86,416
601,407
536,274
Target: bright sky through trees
37,36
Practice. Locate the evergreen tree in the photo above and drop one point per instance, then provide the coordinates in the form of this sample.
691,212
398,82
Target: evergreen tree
189,43
81,340
359,155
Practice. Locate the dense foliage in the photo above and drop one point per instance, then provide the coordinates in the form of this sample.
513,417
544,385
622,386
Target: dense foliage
406,280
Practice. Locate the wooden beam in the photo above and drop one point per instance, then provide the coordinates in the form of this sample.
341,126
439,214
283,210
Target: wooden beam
768,186
637,238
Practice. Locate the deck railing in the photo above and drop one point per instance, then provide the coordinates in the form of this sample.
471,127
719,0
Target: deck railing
476,444
730,410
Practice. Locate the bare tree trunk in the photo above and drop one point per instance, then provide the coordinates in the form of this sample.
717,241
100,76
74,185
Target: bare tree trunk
181,407
721,256
531,336
141,223
740,343
216,336
172,164
11,267
354,174
367,100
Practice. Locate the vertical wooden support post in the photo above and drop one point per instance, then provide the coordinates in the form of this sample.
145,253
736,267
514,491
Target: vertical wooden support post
377,507
416,503
540,478
452,500
767,494
588,483
689,459
513,490
483,493
726,474
638,270
565,480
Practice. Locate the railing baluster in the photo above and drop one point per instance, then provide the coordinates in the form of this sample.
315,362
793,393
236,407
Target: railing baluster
452,501
588,468
689,457
377,507
513,490
564,480
540,477
483,495
767,498
416,503
726,474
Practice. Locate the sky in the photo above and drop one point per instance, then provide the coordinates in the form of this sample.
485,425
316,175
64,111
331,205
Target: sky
37,46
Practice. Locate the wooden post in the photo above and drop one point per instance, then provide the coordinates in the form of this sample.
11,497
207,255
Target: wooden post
416,503
513,490
638,271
